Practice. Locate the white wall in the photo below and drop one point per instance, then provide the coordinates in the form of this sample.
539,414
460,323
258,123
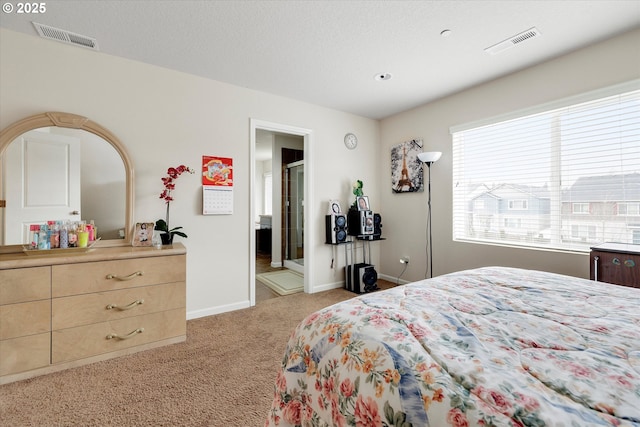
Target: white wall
167,118
404,217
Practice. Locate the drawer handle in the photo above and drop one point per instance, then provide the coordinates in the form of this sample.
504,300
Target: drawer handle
125,337
126,307
129,277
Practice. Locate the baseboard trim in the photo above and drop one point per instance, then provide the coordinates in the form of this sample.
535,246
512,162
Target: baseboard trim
195,314
328,286
392,279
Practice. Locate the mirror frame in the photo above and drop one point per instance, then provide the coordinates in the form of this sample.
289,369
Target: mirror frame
74,121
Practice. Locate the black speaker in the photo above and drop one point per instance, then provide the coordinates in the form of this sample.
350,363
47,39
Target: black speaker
361,278
360,222
377,225
336,228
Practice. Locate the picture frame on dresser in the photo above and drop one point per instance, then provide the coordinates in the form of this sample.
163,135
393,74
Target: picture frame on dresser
143,234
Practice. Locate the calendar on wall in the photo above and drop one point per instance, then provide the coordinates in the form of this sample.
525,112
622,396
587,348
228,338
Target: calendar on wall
217,185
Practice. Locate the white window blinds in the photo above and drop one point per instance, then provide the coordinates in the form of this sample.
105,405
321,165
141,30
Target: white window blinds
563,176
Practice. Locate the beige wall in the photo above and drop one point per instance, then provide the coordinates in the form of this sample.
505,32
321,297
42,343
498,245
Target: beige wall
166,118
404,217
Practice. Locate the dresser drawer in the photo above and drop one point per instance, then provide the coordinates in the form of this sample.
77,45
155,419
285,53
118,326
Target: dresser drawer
29,318
90,340
616,268
25,284
112,305
25,353
76,279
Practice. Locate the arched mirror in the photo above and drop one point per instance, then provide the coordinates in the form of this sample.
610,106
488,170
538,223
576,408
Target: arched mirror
62,166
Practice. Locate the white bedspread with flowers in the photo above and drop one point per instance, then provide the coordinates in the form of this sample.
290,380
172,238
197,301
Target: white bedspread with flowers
486,347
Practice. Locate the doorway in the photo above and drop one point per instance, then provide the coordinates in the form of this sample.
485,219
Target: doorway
293,207
302,231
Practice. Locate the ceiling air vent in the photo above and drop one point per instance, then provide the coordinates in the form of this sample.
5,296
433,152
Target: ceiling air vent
510,42
65,36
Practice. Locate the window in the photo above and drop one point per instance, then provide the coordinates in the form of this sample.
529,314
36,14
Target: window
580,208
583,232
518,205
561,176
268,193
629,209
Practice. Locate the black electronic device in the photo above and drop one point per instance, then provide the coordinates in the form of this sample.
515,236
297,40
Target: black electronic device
377,226
360,222
336,228
361,278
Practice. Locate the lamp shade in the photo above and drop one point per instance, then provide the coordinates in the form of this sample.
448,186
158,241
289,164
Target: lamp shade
429,156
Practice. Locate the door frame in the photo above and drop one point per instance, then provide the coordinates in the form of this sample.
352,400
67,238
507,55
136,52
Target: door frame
307,134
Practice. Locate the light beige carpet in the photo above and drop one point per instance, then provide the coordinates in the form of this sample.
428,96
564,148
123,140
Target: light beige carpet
283,282
222,376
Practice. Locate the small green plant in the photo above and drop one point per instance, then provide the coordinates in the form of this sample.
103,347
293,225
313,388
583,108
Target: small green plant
357,191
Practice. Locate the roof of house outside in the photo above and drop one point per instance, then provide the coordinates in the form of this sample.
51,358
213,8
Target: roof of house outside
604,188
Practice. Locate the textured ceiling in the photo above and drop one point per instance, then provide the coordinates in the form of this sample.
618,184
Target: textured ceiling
328,52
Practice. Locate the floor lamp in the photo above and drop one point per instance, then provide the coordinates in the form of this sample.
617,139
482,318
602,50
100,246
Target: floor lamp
428,158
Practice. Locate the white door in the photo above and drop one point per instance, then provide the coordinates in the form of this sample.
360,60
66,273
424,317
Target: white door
44,185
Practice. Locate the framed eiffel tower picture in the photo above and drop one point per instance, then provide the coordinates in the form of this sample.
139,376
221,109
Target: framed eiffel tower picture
406,168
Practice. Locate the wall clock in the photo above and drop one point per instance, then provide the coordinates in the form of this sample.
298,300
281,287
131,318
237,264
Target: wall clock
350,141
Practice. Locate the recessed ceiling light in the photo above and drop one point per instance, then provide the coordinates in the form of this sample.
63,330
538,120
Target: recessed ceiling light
445,33
382,77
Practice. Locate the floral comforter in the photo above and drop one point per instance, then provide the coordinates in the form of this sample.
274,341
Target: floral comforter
487,347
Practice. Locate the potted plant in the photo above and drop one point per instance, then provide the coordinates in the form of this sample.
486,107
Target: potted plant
169,185
357,191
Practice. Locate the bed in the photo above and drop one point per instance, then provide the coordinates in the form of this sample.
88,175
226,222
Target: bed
492,346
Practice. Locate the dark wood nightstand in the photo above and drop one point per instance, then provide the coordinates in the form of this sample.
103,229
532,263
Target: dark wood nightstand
616,263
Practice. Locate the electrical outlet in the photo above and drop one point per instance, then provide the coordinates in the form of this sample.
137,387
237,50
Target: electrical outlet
404,260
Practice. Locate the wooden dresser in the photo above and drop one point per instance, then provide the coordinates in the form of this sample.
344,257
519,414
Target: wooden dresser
62,311
616,263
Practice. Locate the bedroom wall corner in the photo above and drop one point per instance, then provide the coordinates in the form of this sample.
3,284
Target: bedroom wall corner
600,65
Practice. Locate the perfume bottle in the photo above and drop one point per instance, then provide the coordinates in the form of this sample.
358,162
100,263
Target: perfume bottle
43,237
64,236
35,230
